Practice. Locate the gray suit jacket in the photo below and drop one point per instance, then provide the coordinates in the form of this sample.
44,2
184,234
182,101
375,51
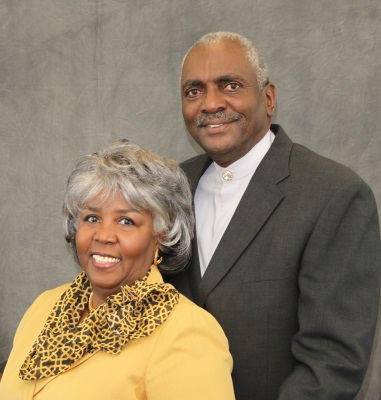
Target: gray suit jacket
294,281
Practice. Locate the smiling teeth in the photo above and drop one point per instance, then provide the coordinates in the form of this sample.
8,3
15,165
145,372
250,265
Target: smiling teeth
215,126
105,260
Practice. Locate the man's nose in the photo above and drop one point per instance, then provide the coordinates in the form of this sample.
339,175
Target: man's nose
213,101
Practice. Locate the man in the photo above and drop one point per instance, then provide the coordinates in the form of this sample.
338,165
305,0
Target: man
287,248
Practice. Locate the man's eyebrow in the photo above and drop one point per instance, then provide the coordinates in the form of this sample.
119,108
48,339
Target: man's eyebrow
220,79
228,78
192,82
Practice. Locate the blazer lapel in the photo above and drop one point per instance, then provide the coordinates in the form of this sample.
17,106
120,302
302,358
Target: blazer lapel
256,206
41,383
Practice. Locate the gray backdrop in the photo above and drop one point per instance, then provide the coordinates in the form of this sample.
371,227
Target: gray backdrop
76,74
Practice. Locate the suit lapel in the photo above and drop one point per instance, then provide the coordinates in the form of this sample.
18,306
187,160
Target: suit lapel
194,169
256,206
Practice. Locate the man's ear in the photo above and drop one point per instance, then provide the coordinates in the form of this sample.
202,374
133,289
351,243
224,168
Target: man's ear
269,93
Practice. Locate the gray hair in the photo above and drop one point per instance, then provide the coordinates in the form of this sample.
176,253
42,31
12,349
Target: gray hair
252,53
146,181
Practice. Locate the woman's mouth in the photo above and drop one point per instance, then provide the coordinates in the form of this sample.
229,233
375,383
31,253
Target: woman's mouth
105,261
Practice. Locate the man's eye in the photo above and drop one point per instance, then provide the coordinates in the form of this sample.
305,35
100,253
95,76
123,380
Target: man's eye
91,218
232,86
126,221
192,92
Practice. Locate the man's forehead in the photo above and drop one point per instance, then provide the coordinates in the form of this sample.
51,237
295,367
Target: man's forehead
223,46
217,61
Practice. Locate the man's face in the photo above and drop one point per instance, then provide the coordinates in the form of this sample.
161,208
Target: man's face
223,108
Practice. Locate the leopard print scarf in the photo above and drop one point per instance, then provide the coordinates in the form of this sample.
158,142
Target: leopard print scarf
133,313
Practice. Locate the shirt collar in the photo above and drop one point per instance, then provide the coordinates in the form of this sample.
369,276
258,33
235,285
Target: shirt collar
247,164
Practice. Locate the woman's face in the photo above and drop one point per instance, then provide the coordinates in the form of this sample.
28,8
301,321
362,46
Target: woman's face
115,244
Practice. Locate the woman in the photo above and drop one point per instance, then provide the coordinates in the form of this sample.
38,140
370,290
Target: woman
117,331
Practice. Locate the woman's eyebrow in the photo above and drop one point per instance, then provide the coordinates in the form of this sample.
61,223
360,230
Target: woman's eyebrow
119,211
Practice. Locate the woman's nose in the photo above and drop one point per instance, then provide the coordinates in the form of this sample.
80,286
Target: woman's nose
105,234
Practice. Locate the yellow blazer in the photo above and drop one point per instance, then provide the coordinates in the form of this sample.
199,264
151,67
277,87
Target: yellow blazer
187,357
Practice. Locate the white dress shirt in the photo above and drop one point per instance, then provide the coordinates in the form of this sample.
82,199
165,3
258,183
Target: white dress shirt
217,196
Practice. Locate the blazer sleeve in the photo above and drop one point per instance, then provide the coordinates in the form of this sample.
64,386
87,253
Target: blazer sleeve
191,359
339,296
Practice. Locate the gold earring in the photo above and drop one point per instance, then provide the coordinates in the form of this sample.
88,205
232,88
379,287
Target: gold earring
157,260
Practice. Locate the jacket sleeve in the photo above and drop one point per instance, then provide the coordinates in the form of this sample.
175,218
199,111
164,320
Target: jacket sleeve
191,359
339,296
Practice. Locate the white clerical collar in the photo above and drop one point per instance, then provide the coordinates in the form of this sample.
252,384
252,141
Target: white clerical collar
247,164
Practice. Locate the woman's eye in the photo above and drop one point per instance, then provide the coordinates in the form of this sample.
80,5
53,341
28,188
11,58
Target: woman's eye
91,218
126,221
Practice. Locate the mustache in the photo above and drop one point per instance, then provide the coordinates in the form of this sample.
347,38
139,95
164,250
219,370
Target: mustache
200,121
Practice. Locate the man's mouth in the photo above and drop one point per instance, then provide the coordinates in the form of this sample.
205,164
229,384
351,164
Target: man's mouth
214,125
